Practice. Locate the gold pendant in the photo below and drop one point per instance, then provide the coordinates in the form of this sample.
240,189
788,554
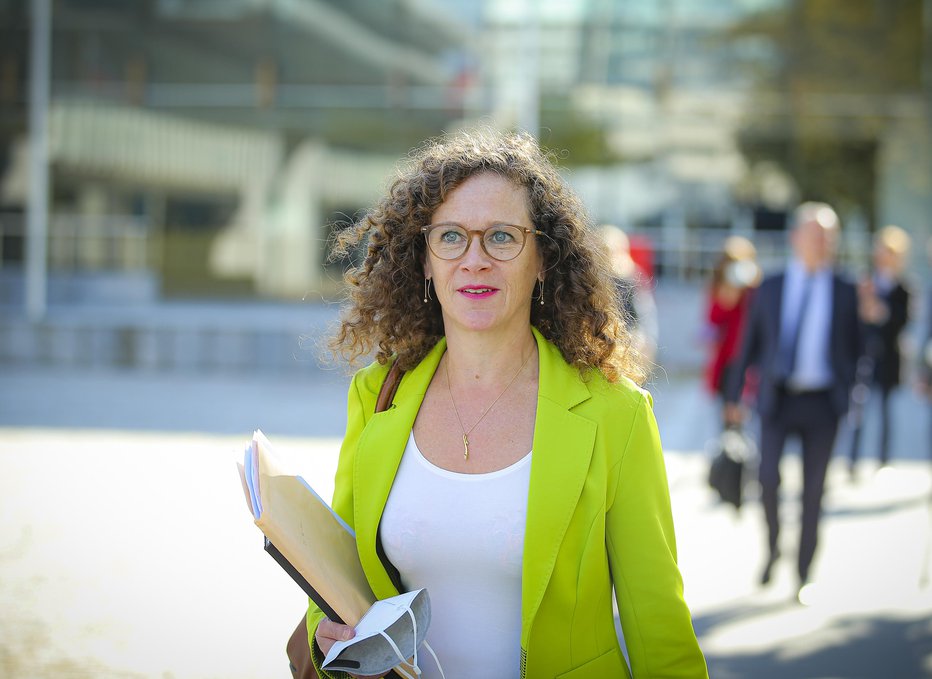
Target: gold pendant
465,447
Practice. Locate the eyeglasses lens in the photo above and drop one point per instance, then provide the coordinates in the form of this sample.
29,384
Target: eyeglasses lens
502,242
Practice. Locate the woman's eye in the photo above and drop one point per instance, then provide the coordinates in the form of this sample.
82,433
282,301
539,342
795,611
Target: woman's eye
500,237
451,237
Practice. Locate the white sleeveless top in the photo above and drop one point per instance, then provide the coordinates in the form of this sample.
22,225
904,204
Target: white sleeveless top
461,536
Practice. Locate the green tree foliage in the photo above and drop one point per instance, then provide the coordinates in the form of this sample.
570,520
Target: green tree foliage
576,139
842,71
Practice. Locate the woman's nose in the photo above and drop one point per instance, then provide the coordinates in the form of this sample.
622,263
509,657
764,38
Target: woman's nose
475,255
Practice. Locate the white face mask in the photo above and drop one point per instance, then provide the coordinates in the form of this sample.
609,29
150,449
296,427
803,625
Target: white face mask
389,634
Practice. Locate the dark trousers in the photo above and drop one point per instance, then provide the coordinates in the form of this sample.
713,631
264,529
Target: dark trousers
810,416
858,422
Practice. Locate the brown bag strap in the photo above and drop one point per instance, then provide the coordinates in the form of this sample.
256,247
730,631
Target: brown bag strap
384,402
389,387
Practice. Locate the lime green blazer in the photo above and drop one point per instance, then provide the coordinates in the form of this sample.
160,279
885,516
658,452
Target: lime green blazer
598,516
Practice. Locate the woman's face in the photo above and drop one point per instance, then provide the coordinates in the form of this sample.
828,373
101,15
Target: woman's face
886,260
477,292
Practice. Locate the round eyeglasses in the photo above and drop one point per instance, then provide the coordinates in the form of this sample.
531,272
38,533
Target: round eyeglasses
500,241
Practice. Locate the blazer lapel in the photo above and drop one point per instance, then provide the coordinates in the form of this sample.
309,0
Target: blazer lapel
843,354
563,443
836,324
562,450
779,286
377,458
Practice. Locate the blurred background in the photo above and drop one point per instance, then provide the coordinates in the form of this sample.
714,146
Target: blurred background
173,171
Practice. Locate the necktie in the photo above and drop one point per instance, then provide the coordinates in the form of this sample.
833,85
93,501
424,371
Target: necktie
786,358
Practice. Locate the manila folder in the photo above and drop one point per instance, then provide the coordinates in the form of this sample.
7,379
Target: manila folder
311,536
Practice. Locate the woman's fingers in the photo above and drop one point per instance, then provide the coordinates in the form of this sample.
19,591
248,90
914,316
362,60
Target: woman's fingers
329,632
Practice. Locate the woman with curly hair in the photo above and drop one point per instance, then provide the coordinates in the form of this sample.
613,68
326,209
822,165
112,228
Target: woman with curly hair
518,475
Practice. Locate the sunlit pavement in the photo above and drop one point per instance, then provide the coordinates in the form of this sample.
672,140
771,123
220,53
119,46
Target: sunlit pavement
133,555
127,552
868,612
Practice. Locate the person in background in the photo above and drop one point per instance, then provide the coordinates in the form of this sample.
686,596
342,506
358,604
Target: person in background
802,333
634,294
924,367
518,475
735,276
884,306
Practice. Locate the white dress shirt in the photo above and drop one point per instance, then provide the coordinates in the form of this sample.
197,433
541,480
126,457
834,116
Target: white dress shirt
812,368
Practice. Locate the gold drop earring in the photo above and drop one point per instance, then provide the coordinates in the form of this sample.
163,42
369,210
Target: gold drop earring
541,280
427,295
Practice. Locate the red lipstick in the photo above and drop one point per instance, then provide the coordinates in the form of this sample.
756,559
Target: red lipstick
477,291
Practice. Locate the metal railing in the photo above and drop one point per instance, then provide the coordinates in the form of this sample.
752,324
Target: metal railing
83,243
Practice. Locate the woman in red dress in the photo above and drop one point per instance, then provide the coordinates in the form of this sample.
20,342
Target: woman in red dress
734,278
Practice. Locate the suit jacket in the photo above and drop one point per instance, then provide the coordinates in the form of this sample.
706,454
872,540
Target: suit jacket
598,515
925,351
883,339
761,343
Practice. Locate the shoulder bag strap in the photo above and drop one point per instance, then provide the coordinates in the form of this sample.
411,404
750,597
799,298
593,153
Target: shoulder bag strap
389,387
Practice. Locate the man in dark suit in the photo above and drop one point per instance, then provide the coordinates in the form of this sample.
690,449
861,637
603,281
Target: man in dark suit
802,334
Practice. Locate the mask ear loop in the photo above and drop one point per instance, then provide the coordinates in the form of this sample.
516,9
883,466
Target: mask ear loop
417,670
414,664
436,660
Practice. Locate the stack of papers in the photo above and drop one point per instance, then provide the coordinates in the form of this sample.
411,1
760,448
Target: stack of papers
303,532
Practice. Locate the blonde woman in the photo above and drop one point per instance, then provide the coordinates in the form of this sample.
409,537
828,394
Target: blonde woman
884,302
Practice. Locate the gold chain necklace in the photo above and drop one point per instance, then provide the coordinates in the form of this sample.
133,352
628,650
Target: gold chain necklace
446,367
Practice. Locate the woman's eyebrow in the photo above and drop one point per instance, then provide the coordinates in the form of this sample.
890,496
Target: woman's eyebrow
491,224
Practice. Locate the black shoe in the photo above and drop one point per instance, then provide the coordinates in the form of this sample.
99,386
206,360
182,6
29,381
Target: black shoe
768,567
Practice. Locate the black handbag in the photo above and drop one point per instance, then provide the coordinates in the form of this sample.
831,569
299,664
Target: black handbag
728,475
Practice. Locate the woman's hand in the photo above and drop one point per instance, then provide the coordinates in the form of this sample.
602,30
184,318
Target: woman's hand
872,308
328,633
733,414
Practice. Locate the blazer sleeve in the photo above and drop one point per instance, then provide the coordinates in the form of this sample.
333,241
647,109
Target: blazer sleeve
641,544
750,349
852,333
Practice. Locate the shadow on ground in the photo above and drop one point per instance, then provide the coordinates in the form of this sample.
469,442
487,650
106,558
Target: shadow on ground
864,648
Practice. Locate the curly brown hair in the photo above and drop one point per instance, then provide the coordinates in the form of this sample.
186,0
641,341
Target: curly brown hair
384,308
